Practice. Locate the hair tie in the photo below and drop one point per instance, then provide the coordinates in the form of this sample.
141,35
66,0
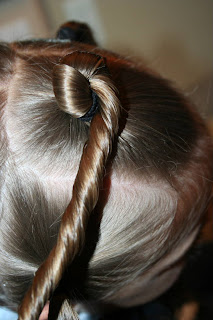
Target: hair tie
93,110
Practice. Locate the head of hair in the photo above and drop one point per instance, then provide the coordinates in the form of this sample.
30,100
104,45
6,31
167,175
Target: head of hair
88,207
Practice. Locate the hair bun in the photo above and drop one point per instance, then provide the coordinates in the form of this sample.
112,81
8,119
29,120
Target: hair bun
76,31
72,83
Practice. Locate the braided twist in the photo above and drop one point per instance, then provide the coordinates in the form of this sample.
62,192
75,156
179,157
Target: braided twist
73,79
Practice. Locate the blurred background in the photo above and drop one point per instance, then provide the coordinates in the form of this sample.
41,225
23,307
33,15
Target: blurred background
174,37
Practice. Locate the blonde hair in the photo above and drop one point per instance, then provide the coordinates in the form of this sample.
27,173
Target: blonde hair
88,207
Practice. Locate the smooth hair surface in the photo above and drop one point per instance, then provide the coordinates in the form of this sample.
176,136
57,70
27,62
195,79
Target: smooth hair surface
89,207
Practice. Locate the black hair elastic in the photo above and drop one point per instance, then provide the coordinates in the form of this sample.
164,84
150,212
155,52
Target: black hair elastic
93,110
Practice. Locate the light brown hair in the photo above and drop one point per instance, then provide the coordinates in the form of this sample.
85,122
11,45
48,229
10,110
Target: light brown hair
140,174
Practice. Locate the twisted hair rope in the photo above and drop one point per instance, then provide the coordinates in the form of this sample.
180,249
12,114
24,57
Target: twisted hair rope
85,196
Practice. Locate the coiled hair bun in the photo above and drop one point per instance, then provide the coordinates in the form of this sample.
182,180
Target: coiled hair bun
73,82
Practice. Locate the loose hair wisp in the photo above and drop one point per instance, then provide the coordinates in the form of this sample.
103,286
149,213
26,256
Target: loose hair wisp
74,79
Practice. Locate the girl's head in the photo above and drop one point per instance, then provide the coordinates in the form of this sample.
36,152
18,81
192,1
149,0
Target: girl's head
141,170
